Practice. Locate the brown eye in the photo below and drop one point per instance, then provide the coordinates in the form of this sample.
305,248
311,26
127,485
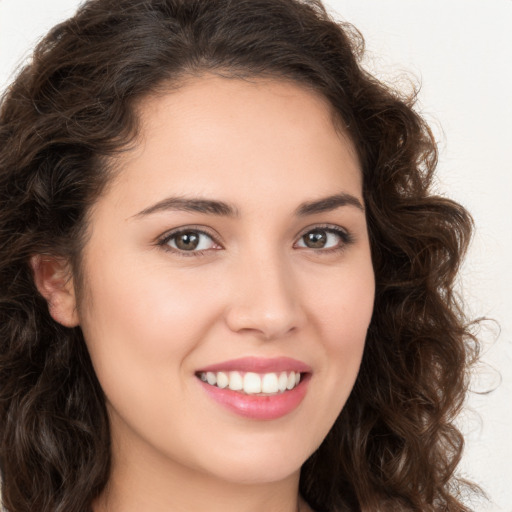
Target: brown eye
187,241
324,238
315,239
190,241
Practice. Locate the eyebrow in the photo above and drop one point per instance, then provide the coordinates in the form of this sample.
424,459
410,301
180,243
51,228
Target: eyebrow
328,204
209,206
221,208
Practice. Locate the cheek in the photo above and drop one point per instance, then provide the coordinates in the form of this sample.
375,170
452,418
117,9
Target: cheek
344,313
345,305
344,340
340,313
151,301
140,329
143,323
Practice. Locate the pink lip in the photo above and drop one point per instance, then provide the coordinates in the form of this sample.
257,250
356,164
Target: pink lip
259,365
260,407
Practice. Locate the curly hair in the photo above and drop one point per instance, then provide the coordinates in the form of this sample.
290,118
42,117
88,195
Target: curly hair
394,447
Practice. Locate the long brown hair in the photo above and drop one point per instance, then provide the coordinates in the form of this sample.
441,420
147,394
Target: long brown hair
394,446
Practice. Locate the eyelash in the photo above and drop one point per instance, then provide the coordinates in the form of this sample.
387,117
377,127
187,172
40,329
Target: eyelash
164,241
345,239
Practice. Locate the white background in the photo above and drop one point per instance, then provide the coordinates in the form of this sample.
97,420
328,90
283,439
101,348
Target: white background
461,52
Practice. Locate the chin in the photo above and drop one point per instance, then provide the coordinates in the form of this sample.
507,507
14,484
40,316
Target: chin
262,467
254,474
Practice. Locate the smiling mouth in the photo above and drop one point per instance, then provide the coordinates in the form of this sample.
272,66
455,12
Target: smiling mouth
251,383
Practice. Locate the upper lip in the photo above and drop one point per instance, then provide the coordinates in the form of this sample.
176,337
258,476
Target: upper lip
259,365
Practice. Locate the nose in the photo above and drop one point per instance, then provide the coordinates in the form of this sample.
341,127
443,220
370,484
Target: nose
265,300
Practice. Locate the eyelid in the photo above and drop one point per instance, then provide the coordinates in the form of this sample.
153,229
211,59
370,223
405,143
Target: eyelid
163,240
346,237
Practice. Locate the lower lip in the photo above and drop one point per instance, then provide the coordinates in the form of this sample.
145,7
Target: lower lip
266,407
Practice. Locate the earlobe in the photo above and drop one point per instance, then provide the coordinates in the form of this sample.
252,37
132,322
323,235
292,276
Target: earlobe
54,281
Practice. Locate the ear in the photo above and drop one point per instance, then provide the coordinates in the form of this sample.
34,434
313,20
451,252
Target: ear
53,279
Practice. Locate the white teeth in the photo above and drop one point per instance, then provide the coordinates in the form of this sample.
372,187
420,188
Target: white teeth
282,381
235,381
222,380
291,381
269,383
252,383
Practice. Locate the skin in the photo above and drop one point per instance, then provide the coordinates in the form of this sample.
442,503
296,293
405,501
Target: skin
152,316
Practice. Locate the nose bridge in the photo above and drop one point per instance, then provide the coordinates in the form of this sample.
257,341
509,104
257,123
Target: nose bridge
265,299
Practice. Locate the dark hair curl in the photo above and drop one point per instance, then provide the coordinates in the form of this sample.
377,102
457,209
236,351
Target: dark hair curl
394,446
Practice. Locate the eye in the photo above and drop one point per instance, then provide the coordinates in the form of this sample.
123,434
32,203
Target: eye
324,238
189,240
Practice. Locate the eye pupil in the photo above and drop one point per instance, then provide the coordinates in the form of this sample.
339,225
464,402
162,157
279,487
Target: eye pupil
315,239
187,241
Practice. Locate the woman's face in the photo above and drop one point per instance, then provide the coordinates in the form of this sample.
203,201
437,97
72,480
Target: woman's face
232,246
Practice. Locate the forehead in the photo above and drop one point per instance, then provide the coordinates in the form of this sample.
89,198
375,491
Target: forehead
215,136
211,94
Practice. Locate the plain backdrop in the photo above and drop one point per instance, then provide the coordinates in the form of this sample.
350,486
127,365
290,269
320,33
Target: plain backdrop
461,53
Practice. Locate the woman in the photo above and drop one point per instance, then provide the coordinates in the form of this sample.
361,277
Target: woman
225,282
